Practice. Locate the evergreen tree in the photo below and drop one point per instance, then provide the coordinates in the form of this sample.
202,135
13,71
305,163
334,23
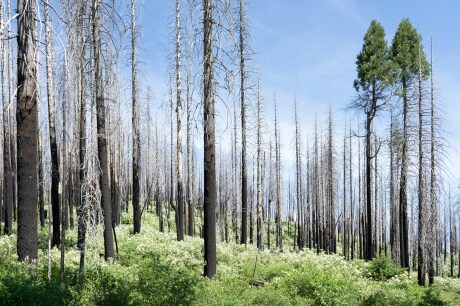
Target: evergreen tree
374,80
405,56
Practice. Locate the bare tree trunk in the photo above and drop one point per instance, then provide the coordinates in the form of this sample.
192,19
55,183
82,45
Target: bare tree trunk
403,223
27,127
344,229
350,149
279,228
331,238
8,182
55,176
41,179
433,194
269,197
81,154
244,175
104,180
369,239
259,175
190,176
11,110
298,179
316,189
235,176
251,207
209,145
135,122
421,192
180,186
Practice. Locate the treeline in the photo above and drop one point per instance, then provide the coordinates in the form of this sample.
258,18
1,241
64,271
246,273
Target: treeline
76,156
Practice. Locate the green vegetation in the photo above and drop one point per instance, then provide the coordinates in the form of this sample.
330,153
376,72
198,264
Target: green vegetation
155,269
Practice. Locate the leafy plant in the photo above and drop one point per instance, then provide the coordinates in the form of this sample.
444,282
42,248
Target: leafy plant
383,268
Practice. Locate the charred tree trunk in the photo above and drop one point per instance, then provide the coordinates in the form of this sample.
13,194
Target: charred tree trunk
433,194
27,128
8,181
135,121
259,176
209,145
81,154
421,192
180,184
104,180
403,221
244,174
279,226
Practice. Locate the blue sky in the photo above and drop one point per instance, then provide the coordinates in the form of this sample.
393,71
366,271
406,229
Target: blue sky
308,49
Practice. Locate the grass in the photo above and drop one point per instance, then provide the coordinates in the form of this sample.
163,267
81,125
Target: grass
154,269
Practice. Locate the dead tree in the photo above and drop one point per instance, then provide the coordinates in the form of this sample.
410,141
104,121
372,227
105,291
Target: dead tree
190,176
104,181
259,174
8,181
81,153
421,188
55,167
135,122
243,77
27,127
179,180
209,143
279,226
345,225
300,236
433,219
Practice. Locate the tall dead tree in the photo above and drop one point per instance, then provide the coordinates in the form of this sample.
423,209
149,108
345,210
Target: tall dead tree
135,122
12,95
300,237
330,221
244,171
179,180
104,180
27,128
433,220
279,226
209,143
190,176
55,177
8,181
344,212
421,188
259,174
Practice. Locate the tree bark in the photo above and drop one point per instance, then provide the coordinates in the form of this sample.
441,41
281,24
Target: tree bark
55,177
135,122
180,185
27,127
259,176
403,222
279,226
421,192
104,180
8,182
244,174
209,145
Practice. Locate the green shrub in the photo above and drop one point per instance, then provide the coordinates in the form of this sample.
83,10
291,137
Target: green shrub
383,268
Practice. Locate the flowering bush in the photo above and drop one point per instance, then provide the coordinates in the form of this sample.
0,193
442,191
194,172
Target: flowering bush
152,268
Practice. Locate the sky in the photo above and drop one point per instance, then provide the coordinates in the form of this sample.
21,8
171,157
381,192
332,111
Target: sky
306,50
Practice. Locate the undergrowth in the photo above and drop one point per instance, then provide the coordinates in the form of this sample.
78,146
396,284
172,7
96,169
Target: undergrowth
152,268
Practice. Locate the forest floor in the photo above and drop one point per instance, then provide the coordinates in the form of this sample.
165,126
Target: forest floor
152,268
